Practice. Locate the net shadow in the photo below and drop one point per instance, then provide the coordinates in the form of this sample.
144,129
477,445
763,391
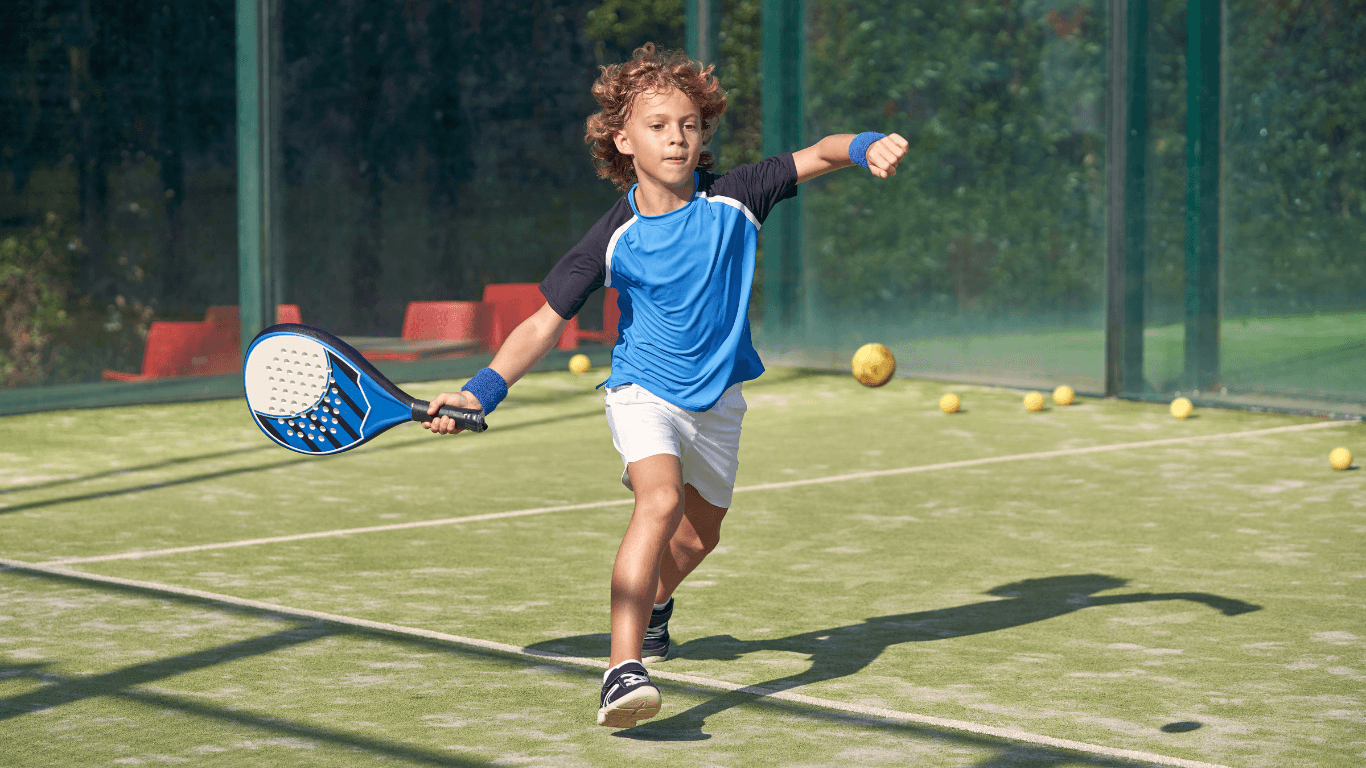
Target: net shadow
1031,600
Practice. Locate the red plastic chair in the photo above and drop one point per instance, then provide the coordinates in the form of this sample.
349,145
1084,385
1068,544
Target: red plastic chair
445,320
228,314
436,321
221,351
212,347
171,349
510,304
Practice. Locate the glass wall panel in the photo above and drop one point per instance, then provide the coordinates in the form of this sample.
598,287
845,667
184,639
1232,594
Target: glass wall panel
1294,203
117,187
983,259
1164,307
432,148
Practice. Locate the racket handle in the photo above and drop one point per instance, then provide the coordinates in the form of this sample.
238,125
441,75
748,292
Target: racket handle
466,418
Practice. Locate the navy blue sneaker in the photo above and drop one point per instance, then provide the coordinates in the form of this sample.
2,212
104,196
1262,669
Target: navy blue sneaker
656,645
628,696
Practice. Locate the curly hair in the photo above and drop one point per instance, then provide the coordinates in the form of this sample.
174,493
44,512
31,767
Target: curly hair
616,90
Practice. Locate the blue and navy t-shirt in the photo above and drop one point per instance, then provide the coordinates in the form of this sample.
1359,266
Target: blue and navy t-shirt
684,278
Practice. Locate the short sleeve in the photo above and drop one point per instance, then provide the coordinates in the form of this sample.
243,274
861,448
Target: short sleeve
759,187
583,269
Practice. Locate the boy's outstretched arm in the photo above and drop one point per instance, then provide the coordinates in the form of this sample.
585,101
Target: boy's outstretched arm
524,348
832,153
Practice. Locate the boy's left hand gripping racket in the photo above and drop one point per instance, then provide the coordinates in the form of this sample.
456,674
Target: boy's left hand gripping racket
311,392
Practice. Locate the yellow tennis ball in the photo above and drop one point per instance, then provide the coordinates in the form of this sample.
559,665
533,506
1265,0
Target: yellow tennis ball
1034,401
949,403
1340,458
873,365
580,364
1063,395
1181,407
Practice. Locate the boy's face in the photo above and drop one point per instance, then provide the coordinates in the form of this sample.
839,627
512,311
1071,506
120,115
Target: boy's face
663,136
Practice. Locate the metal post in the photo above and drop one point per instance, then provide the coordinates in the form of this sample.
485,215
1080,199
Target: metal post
259,236
782,132
1126,168
704,30
704,44
1203,313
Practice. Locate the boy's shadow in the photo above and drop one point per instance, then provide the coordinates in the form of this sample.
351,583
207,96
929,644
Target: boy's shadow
846,650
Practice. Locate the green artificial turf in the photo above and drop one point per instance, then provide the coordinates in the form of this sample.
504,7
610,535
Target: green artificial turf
1201,600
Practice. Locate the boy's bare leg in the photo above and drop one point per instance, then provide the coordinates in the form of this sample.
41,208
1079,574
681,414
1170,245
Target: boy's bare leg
696,536
658,485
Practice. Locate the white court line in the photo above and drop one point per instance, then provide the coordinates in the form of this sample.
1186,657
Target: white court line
339,532
762,487
1044,455
1007,734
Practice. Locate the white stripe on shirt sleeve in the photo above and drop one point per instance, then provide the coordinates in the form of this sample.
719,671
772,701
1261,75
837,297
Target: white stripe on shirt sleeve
732,202
612,246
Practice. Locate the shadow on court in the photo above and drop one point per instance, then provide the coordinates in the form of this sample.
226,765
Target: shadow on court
137,683
381,444
834,653
70,690
64,690
844,651
149,467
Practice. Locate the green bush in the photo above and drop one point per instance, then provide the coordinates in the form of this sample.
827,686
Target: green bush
33,289
48,333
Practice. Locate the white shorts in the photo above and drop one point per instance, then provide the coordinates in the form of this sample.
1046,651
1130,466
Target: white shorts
707,443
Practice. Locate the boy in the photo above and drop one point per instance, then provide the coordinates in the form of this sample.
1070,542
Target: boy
679,246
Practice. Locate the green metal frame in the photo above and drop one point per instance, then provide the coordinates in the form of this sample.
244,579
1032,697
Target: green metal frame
704,30
704,44
260,236
1203,53
1126,166
782,101
250,254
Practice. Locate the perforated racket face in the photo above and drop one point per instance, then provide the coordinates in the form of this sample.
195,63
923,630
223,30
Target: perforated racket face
287,375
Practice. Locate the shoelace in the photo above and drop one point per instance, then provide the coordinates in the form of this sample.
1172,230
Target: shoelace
654,633
630,678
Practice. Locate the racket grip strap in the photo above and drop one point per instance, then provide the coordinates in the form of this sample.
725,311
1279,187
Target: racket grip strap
468,419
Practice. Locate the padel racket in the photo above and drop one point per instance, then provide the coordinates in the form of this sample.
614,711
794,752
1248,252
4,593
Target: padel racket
311,392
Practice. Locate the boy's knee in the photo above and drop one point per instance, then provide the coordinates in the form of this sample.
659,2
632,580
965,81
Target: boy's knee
663,499
699,543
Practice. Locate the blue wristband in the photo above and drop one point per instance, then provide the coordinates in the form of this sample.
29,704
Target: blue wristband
488,387
858,148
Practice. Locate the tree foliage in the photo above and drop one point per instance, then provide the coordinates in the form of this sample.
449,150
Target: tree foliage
1294,156
998,207
33,285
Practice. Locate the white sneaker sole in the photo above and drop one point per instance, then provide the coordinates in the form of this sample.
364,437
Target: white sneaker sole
655,659
641,704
